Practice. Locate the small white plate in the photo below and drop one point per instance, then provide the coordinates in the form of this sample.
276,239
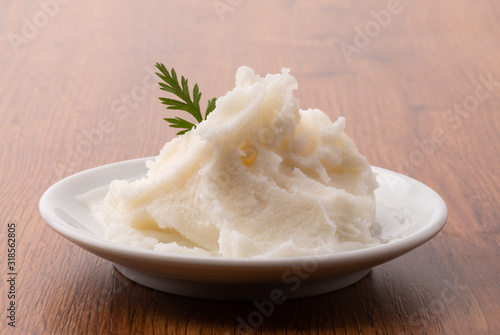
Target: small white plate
408,212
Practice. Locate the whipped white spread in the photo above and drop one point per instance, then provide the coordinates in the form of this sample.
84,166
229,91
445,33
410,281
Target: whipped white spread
258,178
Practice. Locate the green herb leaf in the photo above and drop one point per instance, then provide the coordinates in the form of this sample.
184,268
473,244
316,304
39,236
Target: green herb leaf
210,107
181,90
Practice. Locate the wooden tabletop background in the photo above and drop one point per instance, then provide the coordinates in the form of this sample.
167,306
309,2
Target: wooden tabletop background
419,85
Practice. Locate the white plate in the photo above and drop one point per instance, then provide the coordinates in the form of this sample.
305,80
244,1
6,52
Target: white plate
408,212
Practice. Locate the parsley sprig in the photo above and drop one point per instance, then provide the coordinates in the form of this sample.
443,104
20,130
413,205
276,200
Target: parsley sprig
171,84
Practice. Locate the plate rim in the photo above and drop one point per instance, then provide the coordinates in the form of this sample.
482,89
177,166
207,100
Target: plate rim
115,252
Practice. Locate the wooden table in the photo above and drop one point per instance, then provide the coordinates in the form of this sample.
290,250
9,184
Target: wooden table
419,85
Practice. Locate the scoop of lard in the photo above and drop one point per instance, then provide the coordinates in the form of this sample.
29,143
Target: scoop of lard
258,178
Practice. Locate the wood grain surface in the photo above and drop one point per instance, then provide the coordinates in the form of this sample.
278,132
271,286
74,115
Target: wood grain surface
419,85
